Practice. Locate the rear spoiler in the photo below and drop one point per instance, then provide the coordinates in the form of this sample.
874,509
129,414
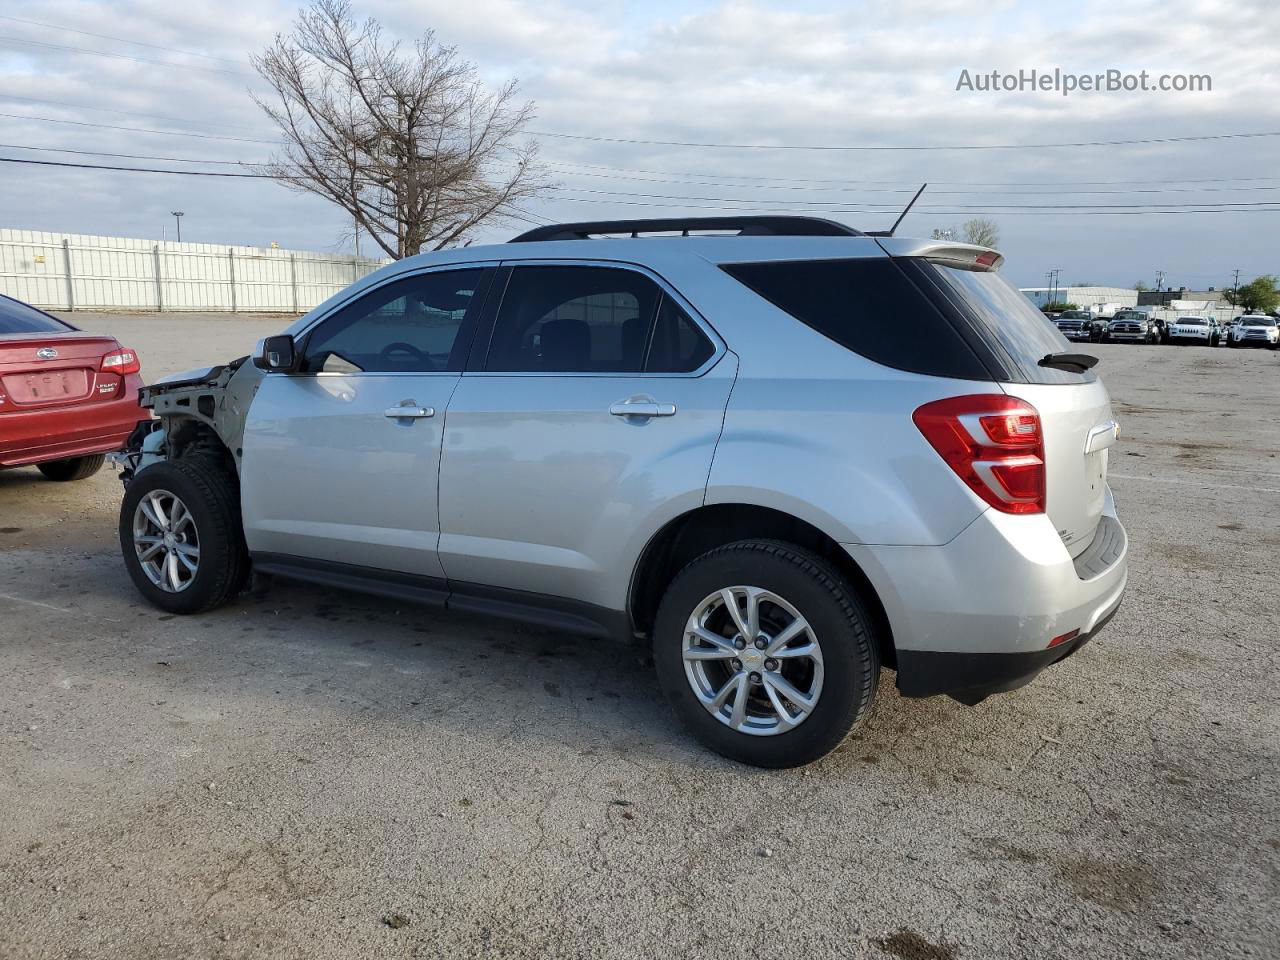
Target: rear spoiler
966,256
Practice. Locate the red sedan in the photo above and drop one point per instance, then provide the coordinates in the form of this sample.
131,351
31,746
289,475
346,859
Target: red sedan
66,397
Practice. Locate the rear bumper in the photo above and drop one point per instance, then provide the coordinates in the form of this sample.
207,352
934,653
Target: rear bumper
978,613
35,436
972,677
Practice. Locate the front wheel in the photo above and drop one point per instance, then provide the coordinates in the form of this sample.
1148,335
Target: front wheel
766,653
181,536
75,468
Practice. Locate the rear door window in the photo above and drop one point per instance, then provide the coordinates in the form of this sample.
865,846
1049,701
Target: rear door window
869,306
17,317
573,319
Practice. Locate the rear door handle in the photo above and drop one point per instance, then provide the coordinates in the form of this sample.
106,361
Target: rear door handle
409,410
642,408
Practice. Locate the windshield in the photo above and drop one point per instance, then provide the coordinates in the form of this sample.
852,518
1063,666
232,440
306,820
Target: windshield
1075,315
17,317
1259,322
1193,322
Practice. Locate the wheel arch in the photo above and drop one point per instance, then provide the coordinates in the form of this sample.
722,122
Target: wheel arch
704,528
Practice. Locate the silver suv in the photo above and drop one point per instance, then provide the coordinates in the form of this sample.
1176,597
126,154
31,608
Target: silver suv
712,442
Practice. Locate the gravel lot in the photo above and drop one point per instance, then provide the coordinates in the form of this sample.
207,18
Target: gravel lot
314,774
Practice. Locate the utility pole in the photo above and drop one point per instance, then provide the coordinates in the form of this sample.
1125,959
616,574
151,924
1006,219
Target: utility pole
1159,280
1235,288
177,218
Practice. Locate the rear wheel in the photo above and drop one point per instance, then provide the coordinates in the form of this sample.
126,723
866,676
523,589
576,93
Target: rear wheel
75,468
181,536
766,653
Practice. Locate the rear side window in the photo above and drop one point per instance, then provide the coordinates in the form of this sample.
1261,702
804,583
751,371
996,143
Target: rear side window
17,317
678,346
1008,322
592,320
870,307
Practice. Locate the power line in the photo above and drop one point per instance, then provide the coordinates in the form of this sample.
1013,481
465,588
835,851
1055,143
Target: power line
111,126
122,56
809,202
861,208
127,156
908,190
1088,211
952,183
103,36
968,146
99,166
895,206
126,113
943,213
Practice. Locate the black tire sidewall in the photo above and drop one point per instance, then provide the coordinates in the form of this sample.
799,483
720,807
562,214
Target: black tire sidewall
72,468
220,569
833,610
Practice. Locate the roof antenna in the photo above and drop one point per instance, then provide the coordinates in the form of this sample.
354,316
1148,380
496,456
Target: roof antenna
906,211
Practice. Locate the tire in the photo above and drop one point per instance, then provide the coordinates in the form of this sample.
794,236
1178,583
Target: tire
76,468
210,495
843,677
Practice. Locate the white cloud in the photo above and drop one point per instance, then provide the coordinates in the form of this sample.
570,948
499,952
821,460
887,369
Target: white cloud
875,73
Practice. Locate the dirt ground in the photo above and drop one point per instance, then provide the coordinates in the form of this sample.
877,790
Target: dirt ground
314,774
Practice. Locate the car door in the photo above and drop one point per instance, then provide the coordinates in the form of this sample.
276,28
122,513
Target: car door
592,414
341,458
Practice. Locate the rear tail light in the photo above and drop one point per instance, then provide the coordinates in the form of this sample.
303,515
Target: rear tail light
994,444
121,362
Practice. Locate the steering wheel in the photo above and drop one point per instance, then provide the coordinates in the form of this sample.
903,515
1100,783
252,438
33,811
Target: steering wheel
406,348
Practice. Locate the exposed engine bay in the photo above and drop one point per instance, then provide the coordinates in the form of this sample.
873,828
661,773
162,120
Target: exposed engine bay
200,411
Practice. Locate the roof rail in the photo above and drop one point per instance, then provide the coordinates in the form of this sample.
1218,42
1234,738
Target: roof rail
746,227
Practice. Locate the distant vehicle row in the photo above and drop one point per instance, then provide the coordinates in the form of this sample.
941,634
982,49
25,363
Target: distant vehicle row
1136,327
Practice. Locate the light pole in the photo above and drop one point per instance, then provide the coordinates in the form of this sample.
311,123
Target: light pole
177,218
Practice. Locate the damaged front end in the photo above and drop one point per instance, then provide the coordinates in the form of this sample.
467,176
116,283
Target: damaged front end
200,412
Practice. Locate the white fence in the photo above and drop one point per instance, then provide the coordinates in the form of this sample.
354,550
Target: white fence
59,271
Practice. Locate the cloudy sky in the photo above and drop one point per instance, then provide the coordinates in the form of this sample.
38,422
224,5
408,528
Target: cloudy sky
153,78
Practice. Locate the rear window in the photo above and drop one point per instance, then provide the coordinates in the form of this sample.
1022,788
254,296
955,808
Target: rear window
1008,323
868,306
16,317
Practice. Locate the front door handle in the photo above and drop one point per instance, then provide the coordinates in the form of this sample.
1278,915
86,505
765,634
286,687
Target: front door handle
642,408
409,410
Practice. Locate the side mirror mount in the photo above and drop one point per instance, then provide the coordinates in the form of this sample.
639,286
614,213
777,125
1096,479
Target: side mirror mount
276,354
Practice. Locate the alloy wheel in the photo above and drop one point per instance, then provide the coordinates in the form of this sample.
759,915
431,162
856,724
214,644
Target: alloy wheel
166,541
752,660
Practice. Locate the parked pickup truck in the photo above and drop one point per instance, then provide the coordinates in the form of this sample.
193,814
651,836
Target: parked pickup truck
1131,325
1076,325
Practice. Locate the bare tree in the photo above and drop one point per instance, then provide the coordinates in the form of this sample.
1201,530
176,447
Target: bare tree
410,144
981,231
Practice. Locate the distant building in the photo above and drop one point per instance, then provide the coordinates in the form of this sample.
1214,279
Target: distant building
1164,298
1100,300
